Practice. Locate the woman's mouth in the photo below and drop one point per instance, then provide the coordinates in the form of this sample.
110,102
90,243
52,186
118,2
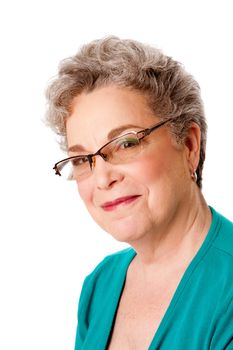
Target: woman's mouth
109,206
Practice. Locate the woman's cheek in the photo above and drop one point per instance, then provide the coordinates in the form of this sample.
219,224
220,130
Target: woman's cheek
150,169
85,191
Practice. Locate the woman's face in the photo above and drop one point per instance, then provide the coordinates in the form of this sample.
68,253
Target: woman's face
142,196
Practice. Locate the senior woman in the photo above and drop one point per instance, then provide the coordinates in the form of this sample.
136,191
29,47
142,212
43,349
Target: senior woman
132,122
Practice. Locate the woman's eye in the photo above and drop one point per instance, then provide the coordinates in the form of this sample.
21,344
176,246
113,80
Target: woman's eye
128,143
79,161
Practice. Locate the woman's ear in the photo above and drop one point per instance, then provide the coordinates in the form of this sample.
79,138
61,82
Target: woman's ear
192,144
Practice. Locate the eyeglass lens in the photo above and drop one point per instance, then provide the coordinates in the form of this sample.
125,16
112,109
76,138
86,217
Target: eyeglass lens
120,150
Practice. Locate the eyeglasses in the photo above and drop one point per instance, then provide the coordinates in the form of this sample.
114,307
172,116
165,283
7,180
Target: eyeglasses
120,150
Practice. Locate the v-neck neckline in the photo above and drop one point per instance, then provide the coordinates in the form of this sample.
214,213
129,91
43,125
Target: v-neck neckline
119,286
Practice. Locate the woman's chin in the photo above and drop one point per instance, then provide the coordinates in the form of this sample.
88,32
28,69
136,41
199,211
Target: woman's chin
126,230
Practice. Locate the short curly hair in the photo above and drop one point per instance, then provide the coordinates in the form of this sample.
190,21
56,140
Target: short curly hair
171,92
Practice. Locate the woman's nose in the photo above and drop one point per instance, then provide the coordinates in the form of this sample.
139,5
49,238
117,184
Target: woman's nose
105,174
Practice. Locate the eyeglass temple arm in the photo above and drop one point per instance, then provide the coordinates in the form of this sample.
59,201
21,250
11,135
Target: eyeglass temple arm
147,132
57,172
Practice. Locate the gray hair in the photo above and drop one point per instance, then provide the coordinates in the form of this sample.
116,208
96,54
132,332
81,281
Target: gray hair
171,92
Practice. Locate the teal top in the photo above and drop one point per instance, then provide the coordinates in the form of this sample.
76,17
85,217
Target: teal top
200,314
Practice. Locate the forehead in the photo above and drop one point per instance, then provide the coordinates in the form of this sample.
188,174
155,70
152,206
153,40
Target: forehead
96,115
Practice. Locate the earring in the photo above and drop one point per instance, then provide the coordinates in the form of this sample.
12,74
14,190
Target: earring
194,176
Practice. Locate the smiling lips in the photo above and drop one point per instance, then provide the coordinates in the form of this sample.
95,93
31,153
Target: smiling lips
109,206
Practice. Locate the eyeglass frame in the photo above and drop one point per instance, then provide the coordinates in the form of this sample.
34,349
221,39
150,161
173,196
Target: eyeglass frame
144,132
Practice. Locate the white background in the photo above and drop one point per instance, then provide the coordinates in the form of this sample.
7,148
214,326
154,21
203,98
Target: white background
48,243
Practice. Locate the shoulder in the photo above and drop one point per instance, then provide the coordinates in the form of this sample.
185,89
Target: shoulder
220,257
224,240
107,273
98,291
111,264
101,284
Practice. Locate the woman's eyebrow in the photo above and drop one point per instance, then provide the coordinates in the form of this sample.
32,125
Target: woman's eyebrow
117,131
76,148
111,135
